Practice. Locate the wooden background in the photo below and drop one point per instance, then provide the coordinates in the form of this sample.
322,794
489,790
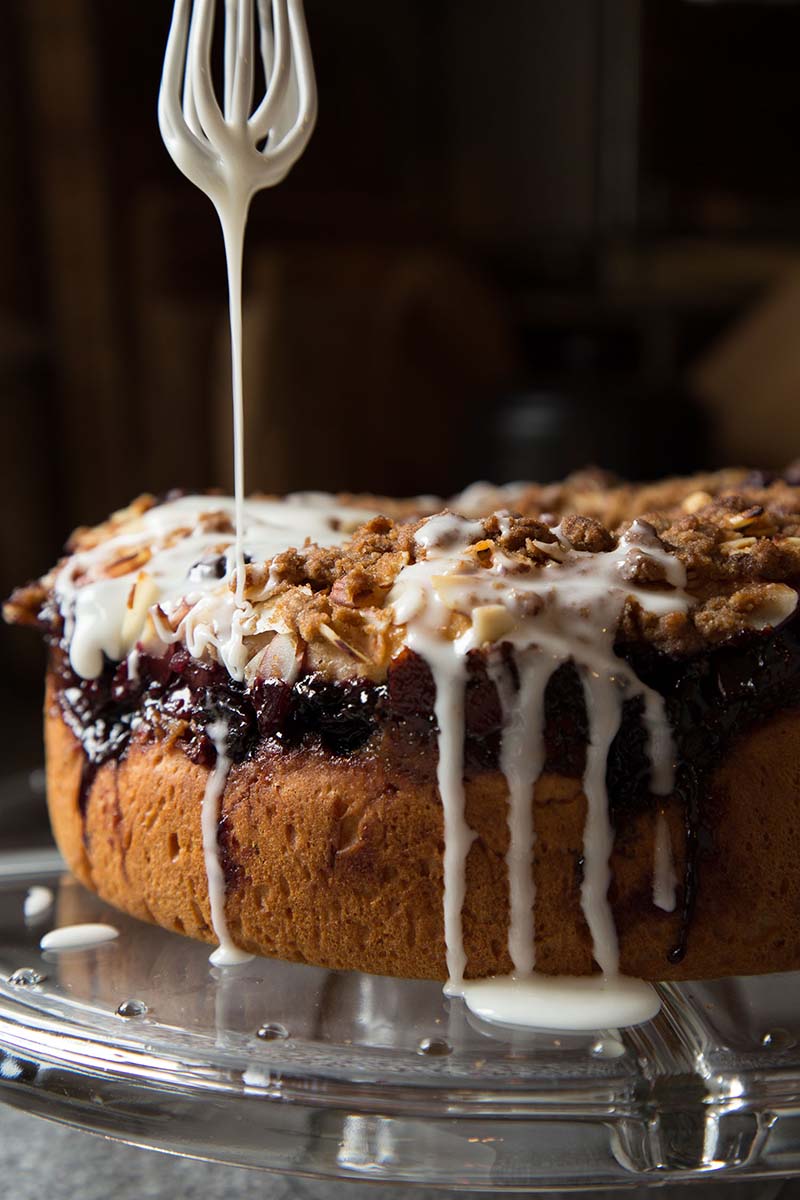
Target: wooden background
477,186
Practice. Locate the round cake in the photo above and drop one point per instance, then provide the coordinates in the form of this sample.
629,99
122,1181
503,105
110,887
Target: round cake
551,729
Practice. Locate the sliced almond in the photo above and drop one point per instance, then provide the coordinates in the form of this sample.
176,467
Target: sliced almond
695,501
334,638
491,621
775,603
738,545
128,563
742,520
280,659
143,595
454,589
552,550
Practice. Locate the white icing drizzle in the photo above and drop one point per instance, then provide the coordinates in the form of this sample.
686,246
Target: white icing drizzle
227,954
567,610
424,639
37,902
665,881
604,709
178,584
521,760
78,937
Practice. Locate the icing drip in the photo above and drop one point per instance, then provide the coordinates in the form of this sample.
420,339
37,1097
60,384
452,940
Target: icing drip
604,710
522,756
37,902
664,878
458,836
227,954
567,610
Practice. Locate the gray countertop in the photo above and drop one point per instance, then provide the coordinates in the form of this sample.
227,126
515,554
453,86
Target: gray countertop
44,1159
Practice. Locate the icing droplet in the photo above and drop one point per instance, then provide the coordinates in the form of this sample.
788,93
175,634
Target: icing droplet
38,901
78,937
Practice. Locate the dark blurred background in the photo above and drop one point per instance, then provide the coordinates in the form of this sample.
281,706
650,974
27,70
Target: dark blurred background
525,237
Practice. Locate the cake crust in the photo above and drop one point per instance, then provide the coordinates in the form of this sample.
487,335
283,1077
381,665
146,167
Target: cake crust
338,861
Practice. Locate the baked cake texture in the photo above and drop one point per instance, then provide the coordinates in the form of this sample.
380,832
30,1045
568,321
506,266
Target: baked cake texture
553,727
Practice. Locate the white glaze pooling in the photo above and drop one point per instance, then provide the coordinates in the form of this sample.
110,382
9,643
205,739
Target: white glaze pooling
177,585
78,937
227,954
566,610
560,1001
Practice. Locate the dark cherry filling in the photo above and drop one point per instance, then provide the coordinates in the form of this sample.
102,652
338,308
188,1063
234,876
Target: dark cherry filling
710,699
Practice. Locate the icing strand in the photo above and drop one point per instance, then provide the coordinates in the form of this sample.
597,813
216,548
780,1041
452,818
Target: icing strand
233,226
227,954
665,881
522,755
604,709
458,836
425,615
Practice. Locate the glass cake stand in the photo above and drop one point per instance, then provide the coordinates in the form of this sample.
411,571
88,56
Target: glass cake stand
348,1076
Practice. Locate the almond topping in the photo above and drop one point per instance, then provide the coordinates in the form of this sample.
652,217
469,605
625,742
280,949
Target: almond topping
142,597
767,607
491,621
738,545
340,644
695,501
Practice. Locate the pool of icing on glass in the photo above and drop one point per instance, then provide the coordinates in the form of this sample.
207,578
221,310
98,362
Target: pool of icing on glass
342,1075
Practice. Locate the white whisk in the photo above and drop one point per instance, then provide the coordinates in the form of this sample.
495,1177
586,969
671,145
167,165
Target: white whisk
231,152
207,141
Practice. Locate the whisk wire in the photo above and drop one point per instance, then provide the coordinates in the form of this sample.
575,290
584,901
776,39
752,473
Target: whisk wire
198,68
243,77
276,61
